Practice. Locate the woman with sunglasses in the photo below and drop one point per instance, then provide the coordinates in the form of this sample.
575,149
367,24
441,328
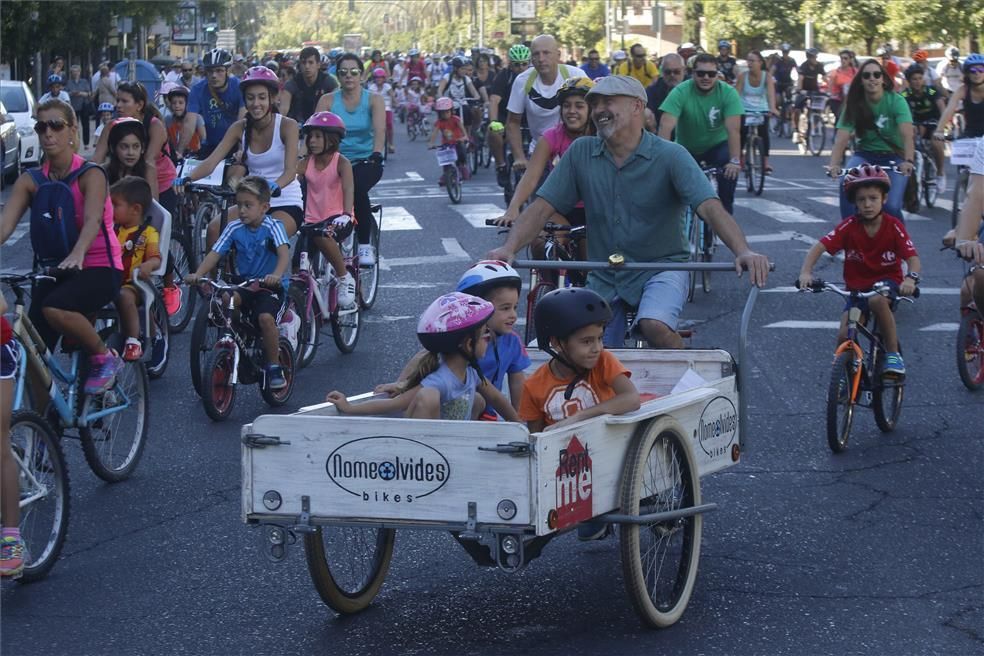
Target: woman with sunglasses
969,99
364,115
60,307
881,122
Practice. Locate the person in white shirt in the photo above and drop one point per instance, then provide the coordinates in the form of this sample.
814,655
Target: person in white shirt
113,77
174,75
534,93
950,71
56,89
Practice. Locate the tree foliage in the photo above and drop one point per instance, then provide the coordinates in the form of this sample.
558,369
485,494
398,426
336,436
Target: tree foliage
841,23
936,20
574,24
754,23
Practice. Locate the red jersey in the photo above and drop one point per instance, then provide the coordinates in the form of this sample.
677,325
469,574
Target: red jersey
451,129
868,260
6,331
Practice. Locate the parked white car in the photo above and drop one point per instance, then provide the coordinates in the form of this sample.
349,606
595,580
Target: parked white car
20,103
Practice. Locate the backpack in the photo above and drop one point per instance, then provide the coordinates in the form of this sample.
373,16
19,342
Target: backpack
54,226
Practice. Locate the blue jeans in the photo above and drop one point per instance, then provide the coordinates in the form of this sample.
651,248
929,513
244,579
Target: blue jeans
717,157
893,204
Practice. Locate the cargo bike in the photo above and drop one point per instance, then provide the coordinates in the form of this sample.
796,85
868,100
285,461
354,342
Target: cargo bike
345,484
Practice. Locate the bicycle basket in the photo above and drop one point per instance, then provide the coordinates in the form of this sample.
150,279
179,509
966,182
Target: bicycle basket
754,119
447,155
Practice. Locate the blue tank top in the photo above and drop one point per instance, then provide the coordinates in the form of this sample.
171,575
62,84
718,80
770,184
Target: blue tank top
357,143
753,98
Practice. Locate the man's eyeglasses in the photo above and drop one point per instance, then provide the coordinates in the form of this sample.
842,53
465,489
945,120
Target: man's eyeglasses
56,124
346,72
867,75
672,71
705,73
187,70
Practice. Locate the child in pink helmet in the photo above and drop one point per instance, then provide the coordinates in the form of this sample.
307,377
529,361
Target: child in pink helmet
448,380
451,131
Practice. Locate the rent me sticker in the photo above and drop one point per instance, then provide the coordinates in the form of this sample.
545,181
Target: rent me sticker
573,483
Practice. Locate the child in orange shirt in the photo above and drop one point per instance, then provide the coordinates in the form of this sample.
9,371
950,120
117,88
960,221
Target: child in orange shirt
583,380
451,130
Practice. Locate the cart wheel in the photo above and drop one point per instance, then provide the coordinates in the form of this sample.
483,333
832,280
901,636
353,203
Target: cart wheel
348,564
659,561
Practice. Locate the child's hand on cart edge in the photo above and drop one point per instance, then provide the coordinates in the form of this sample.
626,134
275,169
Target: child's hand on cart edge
339,399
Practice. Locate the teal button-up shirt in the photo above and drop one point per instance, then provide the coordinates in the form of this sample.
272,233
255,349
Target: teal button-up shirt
636,209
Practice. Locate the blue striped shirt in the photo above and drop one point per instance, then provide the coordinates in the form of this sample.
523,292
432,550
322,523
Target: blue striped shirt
256,248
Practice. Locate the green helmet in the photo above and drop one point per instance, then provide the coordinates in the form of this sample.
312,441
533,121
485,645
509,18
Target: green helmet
519,53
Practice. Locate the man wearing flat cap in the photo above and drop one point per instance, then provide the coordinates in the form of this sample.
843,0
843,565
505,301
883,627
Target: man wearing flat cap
635,187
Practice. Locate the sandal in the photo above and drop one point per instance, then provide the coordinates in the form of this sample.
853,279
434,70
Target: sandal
768,169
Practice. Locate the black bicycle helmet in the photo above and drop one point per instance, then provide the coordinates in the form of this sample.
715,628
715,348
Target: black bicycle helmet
216,57
563,312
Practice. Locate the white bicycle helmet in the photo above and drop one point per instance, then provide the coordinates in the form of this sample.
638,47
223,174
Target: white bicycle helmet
486,275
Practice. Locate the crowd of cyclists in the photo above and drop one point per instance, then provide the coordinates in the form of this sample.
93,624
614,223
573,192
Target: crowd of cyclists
305,141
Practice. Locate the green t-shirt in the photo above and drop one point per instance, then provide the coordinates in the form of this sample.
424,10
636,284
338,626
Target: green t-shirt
636,209
889,112
700,116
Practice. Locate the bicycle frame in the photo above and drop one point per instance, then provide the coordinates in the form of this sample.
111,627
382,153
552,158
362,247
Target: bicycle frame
854,325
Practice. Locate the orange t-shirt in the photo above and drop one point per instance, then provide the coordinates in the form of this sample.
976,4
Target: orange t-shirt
451,130
543,393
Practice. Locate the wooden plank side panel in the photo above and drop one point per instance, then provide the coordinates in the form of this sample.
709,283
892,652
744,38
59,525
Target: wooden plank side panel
388,469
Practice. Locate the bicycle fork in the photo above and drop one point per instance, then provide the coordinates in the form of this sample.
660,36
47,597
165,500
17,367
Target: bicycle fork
851,345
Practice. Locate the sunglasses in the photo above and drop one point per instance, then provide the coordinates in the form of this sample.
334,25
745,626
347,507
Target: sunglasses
346,72
56,124
867,75
672,71
521,64
976,69
705,73
187,70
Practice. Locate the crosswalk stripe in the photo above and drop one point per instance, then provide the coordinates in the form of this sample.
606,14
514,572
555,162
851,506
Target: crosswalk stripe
825,325
945,204
19,232
477,213
778,211
835,202
396,217
945,327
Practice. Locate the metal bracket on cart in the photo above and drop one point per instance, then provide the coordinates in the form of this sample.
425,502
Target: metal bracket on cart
258,441
657,518
518,449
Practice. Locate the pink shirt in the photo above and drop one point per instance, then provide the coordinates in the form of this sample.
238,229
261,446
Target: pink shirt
324,197
166,173
97,255
559,141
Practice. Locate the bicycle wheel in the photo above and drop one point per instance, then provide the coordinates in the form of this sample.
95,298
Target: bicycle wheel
345,326
474,157
757,156
886,398
114,443
747,168
930,191
45,498
285,358
369,275
348,564
411,129
486,152
159,319
840,404
206,211
816,134
693,237
541,290
204,335
959,194
183,262
452,182
659,560
309,334
218,391
970,351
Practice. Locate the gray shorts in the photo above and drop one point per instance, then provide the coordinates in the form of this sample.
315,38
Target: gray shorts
663,298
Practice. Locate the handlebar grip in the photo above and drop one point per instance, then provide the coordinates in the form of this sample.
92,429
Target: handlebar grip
916,293
491,222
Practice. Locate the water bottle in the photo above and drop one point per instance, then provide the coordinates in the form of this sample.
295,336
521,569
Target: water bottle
305,262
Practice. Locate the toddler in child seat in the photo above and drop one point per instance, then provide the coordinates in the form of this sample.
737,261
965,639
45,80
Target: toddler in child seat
448,383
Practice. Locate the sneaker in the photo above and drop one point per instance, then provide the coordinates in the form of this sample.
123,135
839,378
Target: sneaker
346,290
132,350
158,352
275,377
941,184
797,138
367,255
11,556
587,531
102,372
172,300
502,176
894,365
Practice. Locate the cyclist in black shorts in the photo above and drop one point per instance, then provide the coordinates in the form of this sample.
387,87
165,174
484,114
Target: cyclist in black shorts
808,83
519,61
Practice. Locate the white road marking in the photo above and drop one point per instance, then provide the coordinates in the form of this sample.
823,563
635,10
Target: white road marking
834,201
386,318
411,176
825,325
945,327
452,249
20,231
945,204
397,217
413,285
778,211
476,213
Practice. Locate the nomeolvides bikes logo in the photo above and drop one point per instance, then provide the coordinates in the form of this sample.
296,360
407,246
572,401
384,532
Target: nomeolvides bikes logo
717,426
387,469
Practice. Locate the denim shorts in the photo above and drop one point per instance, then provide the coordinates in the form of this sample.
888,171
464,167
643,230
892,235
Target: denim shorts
663,298
863,302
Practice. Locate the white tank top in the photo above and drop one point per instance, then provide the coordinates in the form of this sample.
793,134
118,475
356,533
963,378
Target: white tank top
270,166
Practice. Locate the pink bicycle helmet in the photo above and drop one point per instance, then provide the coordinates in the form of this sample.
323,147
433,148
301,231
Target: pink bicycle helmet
173,88
866,174
260,75
379,72
451,318
326,121
443,104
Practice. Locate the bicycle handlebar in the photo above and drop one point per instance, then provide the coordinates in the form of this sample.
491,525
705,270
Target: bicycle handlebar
879,289
629,266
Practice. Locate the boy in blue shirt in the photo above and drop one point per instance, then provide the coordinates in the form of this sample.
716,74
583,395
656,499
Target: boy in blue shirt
262,251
